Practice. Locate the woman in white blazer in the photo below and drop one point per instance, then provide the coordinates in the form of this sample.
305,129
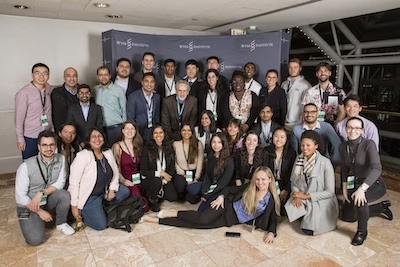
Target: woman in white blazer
93,180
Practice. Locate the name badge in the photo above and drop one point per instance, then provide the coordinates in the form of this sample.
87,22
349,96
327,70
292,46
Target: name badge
136,178
44,121
321,115
215,115
149,122
350,182
278,190
211,189
189,176
239,118
43,201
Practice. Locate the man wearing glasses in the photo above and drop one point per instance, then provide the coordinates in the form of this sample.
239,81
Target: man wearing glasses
84,114
33,110
39,189
64,96
324,129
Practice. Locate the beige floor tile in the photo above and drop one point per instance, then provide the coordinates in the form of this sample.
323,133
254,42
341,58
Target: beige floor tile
190,259
389,257
122,254
7,198
337,247
23,255
167,244
267,263
59,245
303,256
234,252
11,235
108,236
80,259
204,237
146,228
293,229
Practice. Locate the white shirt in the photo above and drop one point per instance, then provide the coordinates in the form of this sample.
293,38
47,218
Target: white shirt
211,101
254,86
169,86
122,84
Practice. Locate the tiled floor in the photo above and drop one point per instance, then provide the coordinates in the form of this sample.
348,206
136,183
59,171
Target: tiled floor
157,245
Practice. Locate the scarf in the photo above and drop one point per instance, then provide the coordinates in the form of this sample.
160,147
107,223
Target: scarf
304,166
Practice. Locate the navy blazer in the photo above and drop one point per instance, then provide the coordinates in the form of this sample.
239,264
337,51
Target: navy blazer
94,119
136,110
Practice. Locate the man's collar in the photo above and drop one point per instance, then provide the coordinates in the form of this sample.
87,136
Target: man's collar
317,126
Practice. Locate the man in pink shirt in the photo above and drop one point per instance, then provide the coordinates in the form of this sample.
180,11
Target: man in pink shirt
33,110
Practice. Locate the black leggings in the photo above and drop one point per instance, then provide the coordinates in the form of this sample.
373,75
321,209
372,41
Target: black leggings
207,219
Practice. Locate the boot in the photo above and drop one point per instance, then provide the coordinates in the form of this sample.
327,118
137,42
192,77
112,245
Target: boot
386,204
359,238
181,197
153,203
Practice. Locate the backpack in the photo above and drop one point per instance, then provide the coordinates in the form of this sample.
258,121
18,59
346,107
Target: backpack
122,215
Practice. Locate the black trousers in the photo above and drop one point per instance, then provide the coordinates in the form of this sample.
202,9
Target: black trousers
152,186
207,219
374,192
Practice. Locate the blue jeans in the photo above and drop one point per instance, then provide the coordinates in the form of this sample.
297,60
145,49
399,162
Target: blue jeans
31,148
113,134
93,213
192,192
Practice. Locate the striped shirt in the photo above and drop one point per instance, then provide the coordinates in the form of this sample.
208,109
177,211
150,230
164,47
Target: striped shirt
29,109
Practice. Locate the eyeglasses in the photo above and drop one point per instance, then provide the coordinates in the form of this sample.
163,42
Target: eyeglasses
38,73
84,93
350,128
310,112
48,145
237,82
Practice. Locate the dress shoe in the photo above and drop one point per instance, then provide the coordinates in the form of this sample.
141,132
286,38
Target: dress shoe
386,204
154,206
359,238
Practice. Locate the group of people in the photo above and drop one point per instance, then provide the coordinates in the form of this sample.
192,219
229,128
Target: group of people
247,153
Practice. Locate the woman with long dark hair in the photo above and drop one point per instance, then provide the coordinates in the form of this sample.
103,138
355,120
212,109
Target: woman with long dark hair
362,182
247,159
189,159
206,129
93,178
157,169
234,136
256,201
67,144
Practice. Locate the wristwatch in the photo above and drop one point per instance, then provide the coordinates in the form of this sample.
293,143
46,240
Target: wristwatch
364,187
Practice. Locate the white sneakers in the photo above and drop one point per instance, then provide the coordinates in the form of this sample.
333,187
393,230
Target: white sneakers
66,229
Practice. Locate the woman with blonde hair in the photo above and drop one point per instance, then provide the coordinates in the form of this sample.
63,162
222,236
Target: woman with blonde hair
256,201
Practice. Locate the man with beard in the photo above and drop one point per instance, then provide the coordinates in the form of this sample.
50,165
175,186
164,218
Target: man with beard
295,86
124,79
85,114
328,98
112,100
249,73
166,84
324,129
64,96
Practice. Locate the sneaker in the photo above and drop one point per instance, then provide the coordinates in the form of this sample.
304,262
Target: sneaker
66,229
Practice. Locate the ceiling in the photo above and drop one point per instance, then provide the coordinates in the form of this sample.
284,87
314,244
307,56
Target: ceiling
217,16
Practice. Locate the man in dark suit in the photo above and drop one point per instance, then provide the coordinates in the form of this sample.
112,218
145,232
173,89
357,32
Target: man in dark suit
148,61
62,97
265,126
143,106
178,109
166,83
85,114
196,84
124,79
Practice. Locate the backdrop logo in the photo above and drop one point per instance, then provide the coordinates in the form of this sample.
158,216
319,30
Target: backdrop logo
191,46
254,45
223,67
157,67
129,44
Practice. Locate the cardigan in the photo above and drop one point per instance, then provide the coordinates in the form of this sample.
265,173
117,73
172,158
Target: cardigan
180,162
83,176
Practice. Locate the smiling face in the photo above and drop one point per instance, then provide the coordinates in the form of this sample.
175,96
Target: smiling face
323,74
191,71
129,131
354,129
310,114
47,147
205,120
266,114
212,79
70,77
262,180
182,91
123,69
148,83
238,83
84,95
158,135
352,108
271,79
216,144
40,76
103,76
308,147
67,134
251,141
212,64
233,130
169,68
186,132
148,63
249,71
96,140
279,138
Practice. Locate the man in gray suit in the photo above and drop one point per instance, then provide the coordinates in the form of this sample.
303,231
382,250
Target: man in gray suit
143,106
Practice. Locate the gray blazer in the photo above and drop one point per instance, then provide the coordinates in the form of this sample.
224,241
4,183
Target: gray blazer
322,209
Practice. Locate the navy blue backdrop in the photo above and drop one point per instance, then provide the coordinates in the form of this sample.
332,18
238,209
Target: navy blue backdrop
266,51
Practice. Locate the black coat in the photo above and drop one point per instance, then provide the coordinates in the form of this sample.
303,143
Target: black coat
277,99
133,85
61,99
148,159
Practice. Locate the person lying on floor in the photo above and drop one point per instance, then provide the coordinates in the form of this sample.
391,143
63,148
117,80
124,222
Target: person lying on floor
256,200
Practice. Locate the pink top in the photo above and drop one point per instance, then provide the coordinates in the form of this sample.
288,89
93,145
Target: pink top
29,109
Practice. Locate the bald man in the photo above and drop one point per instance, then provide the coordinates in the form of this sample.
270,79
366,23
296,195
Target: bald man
64,96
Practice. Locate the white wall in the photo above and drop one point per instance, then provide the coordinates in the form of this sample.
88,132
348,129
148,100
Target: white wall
25,41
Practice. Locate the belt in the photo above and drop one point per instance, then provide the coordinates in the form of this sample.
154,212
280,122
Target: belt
113,126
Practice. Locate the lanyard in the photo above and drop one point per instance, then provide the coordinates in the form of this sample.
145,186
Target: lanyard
133,158
41,172
352,155
213,100
278,166
252,80
43,100
172,85
184,153
148,105
180,109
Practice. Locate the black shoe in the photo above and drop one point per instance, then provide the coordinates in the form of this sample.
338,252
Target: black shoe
359,238
154,206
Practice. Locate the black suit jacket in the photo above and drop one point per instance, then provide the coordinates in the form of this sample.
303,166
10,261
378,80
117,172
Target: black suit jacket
196,87
160,89
61,99
169,115
257,128
133,85
94,119
277,99
202,100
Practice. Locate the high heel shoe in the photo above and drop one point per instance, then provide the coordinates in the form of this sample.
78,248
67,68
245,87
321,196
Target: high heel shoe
359,238
386,204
